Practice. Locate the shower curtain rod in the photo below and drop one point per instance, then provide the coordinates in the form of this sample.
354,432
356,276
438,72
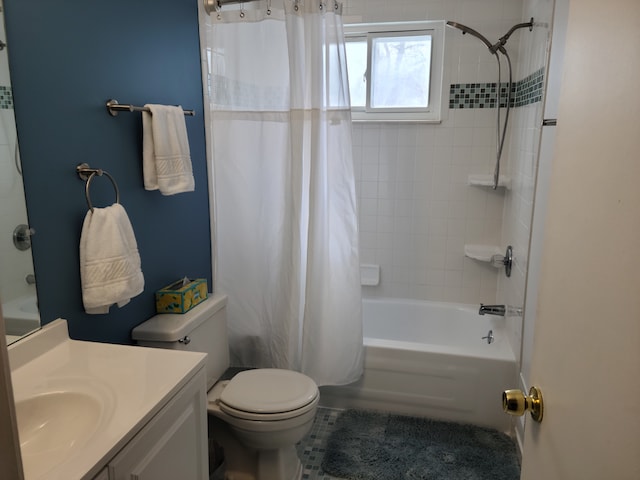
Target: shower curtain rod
224,2
220,3
211,6
214,5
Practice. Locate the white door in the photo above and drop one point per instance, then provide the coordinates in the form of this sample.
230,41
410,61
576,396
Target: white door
586,354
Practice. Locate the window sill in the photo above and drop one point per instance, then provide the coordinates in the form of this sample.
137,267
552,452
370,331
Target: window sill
393,120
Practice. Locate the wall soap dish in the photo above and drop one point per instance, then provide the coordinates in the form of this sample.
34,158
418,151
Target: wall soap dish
369,274
487,180
482,253
491,254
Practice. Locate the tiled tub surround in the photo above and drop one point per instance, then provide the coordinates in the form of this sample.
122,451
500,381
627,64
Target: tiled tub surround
417,212
416,209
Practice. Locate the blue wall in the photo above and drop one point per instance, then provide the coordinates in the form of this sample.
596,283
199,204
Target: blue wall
67,59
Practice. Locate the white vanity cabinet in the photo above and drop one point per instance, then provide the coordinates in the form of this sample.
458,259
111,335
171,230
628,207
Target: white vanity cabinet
173,444
115,412
103,475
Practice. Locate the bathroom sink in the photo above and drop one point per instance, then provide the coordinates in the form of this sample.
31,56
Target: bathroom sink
79,403
52,424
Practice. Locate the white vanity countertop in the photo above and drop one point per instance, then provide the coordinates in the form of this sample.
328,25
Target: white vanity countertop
131,383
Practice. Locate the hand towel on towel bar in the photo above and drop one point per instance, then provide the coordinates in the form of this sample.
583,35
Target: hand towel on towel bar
166,159
109,260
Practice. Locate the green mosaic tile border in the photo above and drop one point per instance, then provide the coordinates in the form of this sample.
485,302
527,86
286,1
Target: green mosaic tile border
476,95
6,98
529,89
483,95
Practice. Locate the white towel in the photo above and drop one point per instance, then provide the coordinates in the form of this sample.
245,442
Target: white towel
166,158
109,260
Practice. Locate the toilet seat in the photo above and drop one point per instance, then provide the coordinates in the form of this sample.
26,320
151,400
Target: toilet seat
268,394
266,417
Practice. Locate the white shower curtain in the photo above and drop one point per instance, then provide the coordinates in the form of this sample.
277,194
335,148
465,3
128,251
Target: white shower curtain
285,218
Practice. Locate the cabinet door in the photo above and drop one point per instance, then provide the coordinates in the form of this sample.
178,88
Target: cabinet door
173,445
103,475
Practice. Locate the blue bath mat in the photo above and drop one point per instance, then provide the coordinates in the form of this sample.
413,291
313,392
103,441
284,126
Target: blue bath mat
377,446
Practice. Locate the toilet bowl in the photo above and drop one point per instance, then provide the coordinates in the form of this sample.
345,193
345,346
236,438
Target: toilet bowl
259,415
267,411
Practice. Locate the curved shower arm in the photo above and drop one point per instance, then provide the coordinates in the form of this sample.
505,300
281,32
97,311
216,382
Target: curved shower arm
499,45
471,31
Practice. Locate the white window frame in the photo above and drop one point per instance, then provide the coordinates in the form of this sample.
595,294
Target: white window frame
433,112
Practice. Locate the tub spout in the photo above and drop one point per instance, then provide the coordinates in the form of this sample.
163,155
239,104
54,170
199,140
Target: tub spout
492,310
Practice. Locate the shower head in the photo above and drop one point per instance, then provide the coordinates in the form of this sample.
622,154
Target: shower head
471,31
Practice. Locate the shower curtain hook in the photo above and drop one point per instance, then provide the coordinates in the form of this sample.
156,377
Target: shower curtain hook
268,7
241,9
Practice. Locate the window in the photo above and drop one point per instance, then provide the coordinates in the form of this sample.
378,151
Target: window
395,70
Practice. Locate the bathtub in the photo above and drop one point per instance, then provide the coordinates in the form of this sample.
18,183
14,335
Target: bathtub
429,359
21,316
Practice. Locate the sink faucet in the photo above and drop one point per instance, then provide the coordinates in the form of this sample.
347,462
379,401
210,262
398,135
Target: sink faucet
492,310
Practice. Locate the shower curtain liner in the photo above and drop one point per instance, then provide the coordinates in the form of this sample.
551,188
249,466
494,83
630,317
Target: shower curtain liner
286,236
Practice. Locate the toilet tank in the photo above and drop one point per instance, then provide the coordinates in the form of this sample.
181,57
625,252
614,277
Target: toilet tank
201,329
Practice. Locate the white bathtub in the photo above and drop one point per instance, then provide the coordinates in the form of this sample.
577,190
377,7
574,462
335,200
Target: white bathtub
429,359
21,315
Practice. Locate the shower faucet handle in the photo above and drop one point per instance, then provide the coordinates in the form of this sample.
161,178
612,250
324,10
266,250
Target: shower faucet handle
22,236
505,261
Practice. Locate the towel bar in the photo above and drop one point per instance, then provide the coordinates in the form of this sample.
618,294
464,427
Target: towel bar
114,107
86,173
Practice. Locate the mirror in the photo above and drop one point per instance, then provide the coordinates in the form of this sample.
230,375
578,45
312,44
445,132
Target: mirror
17,280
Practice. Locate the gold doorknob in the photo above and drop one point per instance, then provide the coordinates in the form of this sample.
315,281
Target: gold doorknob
515,402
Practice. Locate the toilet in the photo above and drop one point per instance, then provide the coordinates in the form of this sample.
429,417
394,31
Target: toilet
259,415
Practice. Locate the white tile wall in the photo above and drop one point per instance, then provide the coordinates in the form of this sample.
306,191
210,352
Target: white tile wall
416,210
523,166
523,162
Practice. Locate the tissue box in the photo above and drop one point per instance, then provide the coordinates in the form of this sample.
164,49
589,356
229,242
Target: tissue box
176,298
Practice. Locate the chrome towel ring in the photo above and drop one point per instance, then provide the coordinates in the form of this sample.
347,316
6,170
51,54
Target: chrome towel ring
86,173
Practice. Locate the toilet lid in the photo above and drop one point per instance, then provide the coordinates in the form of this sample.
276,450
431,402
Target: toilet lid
269,390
